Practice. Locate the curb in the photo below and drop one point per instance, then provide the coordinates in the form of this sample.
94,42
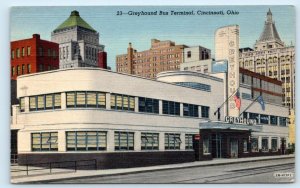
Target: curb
149,170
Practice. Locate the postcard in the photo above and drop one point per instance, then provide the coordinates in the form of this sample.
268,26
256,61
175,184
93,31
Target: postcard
152,94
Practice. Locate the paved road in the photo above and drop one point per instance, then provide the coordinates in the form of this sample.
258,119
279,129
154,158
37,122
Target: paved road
248,172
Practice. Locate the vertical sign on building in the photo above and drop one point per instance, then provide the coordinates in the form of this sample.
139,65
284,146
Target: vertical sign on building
227,48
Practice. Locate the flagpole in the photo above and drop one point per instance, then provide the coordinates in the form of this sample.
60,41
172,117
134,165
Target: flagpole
249,105
226,100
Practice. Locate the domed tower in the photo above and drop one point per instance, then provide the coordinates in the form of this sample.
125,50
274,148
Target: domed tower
78,43
269,37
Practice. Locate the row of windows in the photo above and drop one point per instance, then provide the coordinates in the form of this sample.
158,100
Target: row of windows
254,144
266,119
86,141
50,52
19,70
171,108
122,102
27,51
195,85
148,105
43,102
86,99
97,141
13,55
93,99
44,141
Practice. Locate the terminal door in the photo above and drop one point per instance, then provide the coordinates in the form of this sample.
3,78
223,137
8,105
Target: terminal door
216,147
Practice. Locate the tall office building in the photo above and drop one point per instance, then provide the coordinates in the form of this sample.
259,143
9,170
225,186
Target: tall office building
78,43
162,56
272,58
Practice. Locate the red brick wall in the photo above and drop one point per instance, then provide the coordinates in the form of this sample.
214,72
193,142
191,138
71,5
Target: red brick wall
33,58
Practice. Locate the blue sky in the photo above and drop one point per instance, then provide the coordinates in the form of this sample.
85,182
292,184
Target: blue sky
117,31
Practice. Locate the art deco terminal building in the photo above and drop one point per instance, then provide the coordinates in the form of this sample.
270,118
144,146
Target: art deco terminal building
123,120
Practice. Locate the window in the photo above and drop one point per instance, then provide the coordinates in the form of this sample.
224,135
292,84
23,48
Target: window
206,145
273,120
40,102
274,144
28,68
54,54
12,54
264,119
83,99
124,141
86,140
18,52
18,70
189,54
122,102
23,69
28,50
190,110
23,52
22,104
171,108
194,85
41,51
148,105
172,141
282,121
45,102
188,141
13,71
46,141
149,141
246,96
57,100
91,99
245,145
80,99
32,103
41,67
254,144
253,116
49,101
265,144
49,52
205,111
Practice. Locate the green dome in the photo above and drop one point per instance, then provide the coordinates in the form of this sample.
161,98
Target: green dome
74,20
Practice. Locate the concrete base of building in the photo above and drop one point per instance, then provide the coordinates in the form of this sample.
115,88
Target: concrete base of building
108,160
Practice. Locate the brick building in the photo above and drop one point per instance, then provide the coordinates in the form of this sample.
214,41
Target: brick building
162,56
33,55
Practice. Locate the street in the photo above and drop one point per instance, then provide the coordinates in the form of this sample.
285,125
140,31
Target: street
247,172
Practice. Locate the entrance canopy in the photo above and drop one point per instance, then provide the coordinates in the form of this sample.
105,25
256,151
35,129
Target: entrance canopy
229,126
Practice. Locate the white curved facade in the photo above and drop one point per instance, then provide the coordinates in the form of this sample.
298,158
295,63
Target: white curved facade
65,120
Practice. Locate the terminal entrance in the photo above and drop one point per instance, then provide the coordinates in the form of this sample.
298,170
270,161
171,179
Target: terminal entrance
224,143
234,148
217,145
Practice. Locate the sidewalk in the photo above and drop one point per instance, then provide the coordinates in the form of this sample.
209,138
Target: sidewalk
111,172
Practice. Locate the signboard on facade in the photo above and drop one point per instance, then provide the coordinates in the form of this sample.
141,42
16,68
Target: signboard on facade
227,48
240,120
